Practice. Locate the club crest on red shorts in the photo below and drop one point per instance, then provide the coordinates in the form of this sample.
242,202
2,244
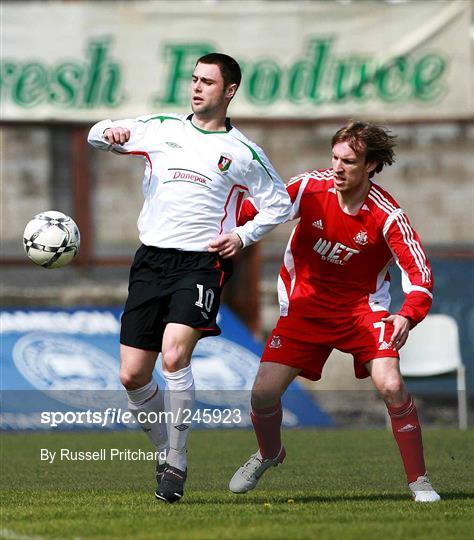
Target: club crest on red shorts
275,343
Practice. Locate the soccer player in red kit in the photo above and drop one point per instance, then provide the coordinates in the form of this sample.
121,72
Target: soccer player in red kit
333,291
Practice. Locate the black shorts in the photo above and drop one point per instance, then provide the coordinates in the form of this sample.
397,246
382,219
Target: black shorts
172,286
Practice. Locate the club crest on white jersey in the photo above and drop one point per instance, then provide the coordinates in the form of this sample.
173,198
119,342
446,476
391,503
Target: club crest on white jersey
224,162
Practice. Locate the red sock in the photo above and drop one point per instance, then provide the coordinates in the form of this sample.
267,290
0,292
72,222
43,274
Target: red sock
407,432
267,423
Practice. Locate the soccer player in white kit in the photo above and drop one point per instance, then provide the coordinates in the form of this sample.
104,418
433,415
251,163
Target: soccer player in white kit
198,170
333,290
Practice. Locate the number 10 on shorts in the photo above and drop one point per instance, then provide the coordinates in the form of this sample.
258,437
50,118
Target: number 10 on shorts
207,297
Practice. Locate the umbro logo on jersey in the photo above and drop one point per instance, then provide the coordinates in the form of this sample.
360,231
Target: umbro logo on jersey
181,427
318,224
384,346
335,253
173,144
224,162
275,343
361,238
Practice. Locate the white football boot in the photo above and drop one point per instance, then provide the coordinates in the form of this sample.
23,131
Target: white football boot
247,476
423,491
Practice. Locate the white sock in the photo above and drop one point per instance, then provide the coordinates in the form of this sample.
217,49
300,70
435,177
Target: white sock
181,404
149,399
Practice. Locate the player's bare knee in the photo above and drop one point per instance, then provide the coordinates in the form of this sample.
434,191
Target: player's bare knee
264,396
132,380
393,389
175,358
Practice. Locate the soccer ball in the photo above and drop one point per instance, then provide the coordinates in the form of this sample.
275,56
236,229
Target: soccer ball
51,239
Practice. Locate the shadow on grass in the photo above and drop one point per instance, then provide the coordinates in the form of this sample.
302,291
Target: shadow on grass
241,499
456,495
227,498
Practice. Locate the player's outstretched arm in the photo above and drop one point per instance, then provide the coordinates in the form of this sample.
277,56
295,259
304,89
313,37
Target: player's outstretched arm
121,136
105,134
117,135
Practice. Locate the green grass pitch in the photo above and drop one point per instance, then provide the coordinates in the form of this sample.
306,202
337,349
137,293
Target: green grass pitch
334,484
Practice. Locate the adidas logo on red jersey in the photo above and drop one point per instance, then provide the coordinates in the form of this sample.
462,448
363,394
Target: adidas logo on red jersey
318,224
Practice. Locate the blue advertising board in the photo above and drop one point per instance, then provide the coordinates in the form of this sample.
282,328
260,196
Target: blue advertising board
67,360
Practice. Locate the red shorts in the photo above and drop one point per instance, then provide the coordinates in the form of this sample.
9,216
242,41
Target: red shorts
306,343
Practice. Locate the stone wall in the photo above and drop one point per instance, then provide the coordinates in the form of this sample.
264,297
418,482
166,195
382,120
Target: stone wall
25,182
432,180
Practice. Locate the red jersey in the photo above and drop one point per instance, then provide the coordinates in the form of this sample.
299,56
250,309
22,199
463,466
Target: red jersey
336,264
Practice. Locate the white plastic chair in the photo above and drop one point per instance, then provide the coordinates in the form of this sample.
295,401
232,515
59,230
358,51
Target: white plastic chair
433,349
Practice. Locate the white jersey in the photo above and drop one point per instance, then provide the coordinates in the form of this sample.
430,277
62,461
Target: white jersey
195,181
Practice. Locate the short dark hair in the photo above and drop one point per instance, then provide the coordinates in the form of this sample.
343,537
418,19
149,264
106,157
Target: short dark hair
230,69
376,141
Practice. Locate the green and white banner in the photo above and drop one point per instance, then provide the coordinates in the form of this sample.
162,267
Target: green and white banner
83,61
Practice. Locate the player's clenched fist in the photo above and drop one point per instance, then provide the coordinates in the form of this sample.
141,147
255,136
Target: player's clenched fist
117,135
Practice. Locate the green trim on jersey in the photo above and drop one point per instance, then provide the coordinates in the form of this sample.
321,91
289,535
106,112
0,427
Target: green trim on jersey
257,158
161,118
206,132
